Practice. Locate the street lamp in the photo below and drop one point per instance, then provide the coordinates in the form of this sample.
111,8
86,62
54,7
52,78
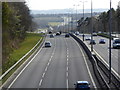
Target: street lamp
76,12
91,25
83,18
110,29
69,19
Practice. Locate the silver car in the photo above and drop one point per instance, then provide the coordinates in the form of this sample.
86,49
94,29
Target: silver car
48,44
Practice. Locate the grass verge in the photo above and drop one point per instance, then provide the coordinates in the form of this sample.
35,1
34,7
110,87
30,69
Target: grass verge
25,46
105,35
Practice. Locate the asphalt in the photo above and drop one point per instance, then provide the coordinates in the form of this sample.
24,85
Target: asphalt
103,51
59,66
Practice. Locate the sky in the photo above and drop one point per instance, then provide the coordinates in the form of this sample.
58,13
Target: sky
66,4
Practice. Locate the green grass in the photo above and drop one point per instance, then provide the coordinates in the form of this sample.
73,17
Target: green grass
54,23
25,46
105,35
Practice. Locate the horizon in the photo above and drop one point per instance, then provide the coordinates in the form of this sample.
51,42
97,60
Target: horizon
64,11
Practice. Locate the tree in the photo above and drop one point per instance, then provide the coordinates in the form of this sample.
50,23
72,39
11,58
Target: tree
117,17
104,19
16,20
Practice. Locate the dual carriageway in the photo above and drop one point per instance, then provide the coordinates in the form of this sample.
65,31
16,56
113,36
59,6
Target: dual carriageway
61,65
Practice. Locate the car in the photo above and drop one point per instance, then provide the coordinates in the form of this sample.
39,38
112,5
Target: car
102,41
92,42
67,35
77,33
51,36
50,32
48,44
82,85
116,43
94,34
87,38
58,33
115,38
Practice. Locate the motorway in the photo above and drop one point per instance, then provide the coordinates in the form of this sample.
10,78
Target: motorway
59,66
103,51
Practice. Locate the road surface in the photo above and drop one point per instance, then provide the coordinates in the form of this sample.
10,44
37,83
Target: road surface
103,51
59,66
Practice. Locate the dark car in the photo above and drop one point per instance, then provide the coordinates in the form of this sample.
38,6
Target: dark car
51,36
60,32
50,32
92,42
116,43
102,41
67,35
82,85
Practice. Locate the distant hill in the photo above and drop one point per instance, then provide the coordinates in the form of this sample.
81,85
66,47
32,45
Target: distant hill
62,11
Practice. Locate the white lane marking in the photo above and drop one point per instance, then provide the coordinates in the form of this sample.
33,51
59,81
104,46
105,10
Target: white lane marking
53,54
67,74
43,75
67,59
67,63
117,74
48,64
107,64
40,82
24,68
46,69
86,65
67,53
67,69
67,56
67,84
49,61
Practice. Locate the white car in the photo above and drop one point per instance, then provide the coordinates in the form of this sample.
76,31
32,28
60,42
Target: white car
116,43
77,33
94,34
48,44
87,38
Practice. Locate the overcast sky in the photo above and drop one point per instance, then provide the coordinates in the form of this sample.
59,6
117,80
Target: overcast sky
63,4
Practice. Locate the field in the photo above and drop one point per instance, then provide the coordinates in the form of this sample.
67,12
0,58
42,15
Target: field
54,23
46,21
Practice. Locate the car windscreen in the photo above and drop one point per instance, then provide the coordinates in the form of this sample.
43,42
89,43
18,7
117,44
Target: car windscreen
47,43
83,84
117,41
